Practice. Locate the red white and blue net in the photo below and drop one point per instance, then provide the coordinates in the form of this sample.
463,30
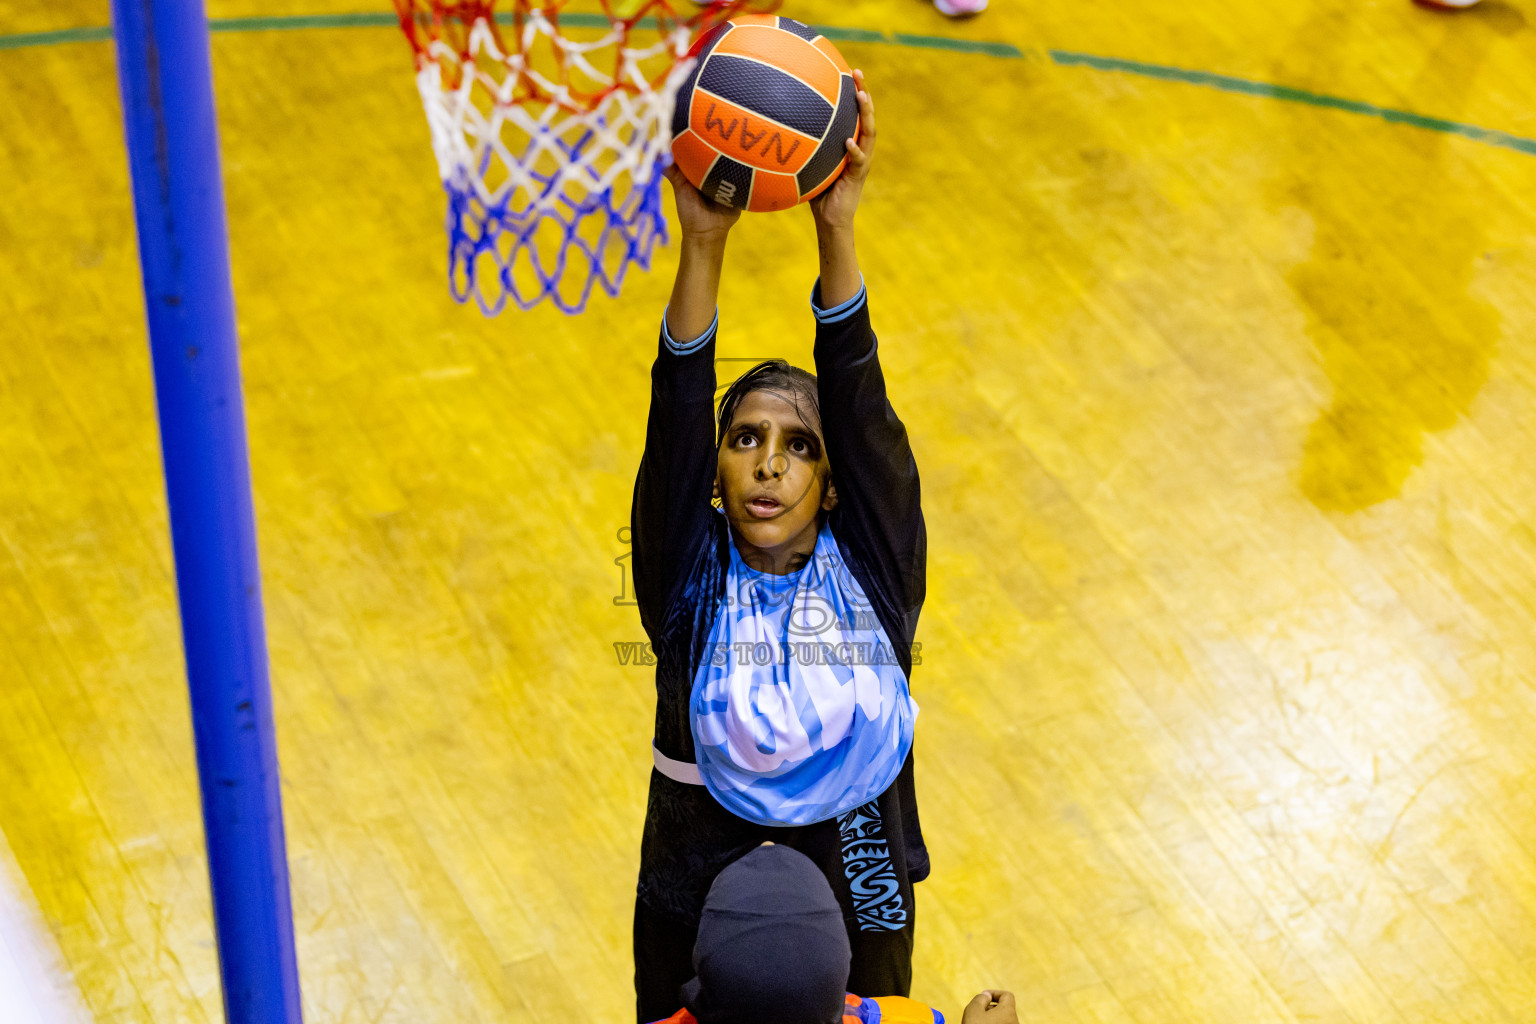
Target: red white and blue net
551,128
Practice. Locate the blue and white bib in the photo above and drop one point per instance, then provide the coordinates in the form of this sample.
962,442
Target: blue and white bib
799,709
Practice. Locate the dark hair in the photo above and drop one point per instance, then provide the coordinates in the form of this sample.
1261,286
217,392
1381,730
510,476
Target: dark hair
790,383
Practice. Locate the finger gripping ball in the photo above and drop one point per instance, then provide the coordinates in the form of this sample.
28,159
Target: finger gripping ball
762,121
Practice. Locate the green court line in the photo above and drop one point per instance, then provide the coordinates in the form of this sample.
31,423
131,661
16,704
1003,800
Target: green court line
1227,83
959,45
69,35
374,19
851,35
282,23
1164,72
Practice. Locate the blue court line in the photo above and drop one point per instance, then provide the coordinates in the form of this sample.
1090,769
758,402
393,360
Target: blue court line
1006,51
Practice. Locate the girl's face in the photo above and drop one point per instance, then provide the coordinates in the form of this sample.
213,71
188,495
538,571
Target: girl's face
772,482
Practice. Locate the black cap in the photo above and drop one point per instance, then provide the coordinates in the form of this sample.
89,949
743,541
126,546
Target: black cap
772,948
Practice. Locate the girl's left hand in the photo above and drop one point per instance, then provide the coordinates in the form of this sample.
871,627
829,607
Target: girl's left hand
836,206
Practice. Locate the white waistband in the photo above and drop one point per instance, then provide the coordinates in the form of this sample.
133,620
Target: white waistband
678,771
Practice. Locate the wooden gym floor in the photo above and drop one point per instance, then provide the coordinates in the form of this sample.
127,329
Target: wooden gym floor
1224,393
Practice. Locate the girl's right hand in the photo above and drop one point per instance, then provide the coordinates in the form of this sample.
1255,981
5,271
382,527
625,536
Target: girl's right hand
699,217
991,1007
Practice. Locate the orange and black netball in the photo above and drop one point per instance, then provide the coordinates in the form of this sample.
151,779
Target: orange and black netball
762,121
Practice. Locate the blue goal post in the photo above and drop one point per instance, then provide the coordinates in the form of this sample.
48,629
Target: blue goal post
166,79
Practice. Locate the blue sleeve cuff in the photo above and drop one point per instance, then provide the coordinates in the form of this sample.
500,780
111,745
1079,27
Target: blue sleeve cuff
687,348
841,311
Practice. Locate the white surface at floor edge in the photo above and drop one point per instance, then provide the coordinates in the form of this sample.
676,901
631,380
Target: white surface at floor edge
35,988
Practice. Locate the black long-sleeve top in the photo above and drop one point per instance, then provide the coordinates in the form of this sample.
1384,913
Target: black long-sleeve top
681,560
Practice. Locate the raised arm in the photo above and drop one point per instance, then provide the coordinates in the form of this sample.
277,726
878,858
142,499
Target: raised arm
879,499
833,211
696,290
669,521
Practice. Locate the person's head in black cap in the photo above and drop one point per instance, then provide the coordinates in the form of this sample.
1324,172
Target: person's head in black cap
772,948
